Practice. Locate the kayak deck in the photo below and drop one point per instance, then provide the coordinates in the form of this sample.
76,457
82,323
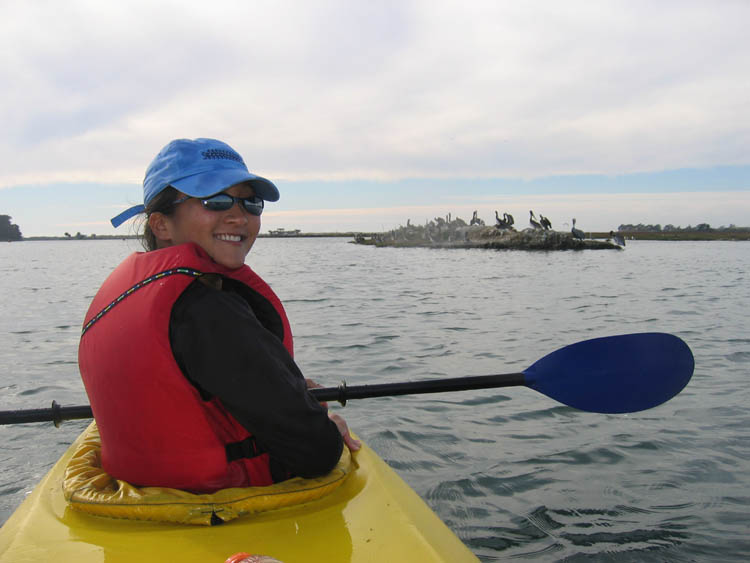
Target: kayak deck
373,516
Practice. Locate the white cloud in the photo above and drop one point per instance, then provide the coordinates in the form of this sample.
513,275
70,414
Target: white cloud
374,90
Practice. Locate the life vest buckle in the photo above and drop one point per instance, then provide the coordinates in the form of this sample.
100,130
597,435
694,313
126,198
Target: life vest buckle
247,448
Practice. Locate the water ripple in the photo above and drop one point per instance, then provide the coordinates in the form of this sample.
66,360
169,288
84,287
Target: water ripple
739,357
42,389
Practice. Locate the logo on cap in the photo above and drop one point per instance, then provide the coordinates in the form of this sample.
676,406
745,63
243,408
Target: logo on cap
215,154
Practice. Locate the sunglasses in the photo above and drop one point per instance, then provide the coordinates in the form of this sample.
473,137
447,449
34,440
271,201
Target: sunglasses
222,202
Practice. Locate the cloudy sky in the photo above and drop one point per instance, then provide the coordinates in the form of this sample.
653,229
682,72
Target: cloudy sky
367,114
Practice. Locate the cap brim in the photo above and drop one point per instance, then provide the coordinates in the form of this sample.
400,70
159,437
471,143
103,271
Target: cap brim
209,183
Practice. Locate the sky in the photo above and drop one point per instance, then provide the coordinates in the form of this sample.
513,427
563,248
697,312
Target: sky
366,114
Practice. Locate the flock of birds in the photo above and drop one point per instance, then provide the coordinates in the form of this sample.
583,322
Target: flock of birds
543,224
448,228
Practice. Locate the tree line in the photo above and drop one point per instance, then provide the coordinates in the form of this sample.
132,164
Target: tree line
8,230
699,228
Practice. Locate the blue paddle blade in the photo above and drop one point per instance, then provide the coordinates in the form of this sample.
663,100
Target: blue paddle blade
615,374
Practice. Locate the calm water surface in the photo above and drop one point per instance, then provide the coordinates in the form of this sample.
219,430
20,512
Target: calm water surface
515,474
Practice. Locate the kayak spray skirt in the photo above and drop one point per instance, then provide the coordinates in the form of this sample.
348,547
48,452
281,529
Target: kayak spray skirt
88,488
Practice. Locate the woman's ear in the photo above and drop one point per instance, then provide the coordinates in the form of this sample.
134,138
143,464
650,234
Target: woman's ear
160,226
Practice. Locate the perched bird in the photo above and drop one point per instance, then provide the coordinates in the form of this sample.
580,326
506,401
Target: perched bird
577,233
617,237
500,223
508,219
533,222
545,222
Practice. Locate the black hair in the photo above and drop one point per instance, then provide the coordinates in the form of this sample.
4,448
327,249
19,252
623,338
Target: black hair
163,203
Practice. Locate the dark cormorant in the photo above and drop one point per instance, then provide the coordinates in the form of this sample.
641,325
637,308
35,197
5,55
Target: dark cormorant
500,223
533,222
577,233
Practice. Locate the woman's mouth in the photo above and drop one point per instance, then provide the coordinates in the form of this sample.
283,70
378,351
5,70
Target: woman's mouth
229,238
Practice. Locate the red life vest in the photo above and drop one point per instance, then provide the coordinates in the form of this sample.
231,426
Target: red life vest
155,428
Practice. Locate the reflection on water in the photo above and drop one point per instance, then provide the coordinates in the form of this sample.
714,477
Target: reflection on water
513,473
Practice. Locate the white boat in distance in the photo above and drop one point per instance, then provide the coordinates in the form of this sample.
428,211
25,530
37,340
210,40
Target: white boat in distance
283,233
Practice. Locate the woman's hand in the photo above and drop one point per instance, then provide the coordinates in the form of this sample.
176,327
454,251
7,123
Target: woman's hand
312,385
350,442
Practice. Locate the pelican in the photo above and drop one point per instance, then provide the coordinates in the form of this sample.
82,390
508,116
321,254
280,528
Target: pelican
500,223
617,237
508,219
544,222
577,233
533,222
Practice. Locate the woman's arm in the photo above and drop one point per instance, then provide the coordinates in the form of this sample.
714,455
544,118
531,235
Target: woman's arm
227,353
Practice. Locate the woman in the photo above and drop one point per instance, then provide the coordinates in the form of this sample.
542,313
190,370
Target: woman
186,353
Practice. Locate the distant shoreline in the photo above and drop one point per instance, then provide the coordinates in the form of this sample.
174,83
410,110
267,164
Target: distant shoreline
350,234
726,235
677,235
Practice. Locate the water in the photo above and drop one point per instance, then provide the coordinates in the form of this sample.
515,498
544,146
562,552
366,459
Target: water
514,474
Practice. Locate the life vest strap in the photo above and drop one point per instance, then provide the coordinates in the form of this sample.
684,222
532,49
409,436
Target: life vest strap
247,448
136,287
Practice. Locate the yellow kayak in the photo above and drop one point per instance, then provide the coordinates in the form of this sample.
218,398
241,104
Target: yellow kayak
363,512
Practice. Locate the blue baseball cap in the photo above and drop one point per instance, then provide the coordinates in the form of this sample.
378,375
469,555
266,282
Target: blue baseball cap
198,168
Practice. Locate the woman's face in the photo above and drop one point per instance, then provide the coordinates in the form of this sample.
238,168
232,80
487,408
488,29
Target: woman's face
227,236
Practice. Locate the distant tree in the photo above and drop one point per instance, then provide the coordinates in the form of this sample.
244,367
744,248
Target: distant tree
670,228
67,235
640,228
9,231
79,235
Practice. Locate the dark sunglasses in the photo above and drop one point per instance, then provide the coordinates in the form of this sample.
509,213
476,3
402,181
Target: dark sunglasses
222,202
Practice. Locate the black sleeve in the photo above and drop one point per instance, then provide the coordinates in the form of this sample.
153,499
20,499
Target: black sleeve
226,352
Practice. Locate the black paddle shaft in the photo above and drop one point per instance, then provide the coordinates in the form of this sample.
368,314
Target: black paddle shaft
54,414
341,394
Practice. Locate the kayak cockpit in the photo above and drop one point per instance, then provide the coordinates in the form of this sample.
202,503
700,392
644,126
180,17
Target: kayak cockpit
88,488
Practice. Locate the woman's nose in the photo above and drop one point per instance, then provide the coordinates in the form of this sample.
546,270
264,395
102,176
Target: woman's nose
236,213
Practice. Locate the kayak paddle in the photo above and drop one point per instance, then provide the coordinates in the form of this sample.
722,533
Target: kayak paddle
613,374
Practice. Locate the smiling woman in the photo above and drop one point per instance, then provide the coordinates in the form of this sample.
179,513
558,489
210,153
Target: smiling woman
225,230
198,344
